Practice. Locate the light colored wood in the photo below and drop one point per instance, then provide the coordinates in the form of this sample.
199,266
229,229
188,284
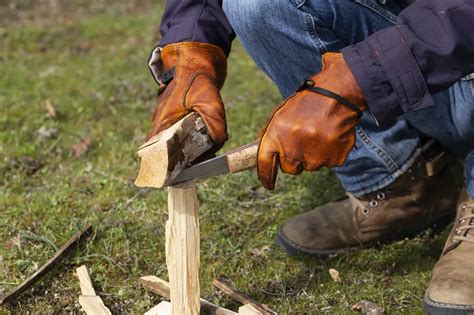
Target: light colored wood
164,308
89,301
156,285
162,288
93,305
243,159
165,155
248,309
182,249
85,281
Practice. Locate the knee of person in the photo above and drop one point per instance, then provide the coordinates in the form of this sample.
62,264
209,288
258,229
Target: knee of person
250,15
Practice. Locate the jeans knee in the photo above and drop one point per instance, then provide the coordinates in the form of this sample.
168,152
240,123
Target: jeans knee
248,16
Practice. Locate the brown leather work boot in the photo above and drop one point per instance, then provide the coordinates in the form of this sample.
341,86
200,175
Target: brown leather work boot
451,290
422,197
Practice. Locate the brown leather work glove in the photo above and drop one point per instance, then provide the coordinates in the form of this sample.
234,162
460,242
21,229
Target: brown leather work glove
190,75
309,130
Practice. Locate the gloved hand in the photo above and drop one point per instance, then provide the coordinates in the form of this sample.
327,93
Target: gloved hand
310,130
190,75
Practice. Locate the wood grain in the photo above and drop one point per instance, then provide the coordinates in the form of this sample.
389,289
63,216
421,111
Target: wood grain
183,249
162,288
89,301
85,281
165,155
244,159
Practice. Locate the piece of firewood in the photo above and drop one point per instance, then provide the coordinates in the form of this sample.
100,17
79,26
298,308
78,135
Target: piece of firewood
156,285
85,281
162,288
50,264
225,286
182,249
93,305
248,309
164,308
165,155
89,301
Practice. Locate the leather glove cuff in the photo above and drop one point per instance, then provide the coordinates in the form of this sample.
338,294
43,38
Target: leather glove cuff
190,76
191,55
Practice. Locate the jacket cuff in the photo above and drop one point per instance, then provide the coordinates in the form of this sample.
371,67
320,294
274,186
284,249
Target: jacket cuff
388,75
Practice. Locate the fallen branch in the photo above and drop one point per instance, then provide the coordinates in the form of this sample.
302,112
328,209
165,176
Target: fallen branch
239,296
50,264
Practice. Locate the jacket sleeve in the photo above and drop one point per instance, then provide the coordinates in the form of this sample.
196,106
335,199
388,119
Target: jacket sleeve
430,48
196,20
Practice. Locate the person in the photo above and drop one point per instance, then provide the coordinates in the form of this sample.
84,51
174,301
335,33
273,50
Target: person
370,88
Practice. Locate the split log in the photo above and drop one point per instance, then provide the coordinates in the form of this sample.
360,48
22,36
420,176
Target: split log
165,155
239,296
182,249
89,301
50,264
162,288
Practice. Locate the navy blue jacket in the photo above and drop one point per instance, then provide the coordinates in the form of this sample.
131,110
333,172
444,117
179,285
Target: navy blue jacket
398,68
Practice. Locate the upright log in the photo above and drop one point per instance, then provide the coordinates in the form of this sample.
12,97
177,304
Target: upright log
182,249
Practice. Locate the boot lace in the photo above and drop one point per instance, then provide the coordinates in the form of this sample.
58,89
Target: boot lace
467,223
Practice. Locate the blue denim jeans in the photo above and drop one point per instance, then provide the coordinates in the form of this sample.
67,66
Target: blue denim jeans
286,39
469,171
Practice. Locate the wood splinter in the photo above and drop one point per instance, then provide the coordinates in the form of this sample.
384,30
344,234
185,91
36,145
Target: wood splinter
162,288
226,287
89,301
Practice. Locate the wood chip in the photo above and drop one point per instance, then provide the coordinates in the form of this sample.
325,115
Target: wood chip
260,252
46,133
368,308
48,104
335,275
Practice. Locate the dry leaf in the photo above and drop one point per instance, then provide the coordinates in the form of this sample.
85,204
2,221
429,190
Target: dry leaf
335,275
260,252
15,241
45,132
79,149
368,308
50,108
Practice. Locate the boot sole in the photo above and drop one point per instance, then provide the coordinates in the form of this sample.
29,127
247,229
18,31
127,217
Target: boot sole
436,308
294,249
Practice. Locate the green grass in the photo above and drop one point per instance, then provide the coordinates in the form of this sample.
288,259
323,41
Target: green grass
89,59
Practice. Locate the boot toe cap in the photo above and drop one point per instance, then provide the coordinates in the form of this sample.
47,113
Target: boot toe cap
317,233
